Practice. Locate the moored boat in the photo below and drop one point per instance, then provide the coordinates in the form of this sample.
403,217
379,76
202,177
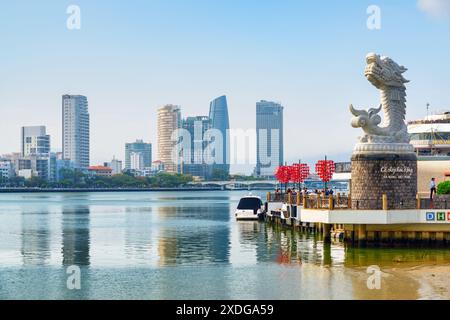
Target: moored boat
250,208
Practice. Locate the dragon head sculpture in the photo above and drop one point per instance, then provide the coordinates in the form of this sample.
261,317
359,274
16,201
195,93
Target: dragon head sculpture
387,76
384,72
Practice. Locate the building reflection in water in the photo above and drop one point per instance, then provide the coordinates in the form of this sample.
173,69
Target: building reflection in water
139,233
290,247
35,237
75,235
167,239
243,247
191,235
194,235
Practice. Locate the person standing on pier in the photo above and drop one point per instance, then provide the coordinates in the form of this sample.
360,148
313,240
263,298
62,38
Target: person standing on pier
432,188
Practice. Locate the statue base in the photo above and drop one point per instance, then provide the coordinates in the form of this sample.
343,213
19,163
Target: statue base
383,148
376,174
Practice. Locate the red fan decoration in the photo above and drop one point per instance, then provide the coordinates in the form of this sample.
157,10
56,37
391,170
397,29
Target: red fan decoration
325,169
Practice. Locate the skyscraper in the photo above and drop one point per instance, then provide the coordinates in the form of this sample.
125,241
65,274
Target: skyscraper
195,165
138,150
169,120
35,141
218,113
75,130
269,132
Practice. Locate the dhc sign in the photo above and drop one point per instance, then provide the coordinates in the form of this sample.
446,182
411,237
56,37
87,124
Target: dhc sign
438,216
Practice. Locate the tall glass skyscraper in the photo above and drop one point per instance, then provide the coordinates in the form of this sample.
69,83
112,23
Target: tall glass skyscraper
75,130
195,165
218,113
269,132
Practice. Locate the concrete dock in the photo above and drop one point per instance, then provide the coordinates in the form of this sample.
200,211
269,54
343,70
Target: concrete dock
334,217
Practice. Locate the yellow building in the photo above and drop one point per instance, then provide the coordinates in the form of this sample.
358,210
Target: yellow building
169,120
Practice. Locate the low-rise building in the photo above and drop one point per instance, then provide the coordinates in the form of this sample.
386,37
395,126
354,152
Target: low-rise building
115,165
56,164
38,166
100,171
26,173
6,169
157,166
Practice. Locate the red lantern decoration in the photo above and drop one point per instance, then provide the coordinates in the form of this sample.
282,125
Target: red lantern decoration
325,169
300,172
283,174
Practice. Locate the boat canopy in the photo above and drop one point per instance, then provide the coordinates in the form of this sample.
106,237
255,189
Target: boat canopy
249,203
429,128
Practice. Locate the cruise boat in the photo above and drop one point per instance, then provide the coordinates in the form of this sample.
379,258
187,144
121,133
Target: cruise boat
431,140
431,136
250,208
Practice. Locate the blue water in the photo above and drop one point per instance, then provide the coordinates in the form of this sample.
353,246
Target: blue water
166,245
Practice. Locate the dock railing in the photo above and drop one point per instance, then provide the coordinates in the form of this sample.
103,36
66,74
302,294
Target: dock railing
312,201
344,201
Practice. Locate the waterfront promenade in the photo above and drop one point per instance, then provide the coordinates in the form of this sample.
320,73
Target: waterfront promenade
339,216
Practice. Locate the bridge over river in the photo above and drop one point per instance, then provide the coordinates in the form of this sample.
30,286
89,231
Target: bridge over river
239,185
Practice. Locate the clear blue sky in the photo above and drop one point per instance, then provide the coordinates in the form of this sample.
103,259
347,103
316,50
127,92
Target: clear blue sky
132,56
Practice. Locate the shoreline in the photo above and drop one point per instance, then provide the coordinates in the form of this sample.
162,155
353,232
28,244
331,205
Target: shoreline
71,190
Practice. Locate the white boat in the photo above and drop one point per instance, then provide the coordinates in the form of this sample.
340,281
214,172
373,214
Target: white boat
250,208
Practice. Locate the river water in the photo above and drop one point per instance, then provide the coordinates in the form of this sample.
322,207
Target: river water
187,245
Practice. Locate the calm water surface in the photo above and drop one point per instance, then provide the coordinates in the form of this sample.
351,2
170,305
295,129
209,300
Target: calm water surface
180,246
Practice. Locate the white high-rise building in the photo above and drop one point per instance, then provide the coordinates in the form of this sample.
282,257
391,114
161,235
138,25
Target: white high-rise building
35,141
76,130
169,120
137,161
116,166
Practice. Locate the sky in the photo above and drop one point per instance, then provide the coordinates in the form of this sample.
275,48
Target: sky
131,57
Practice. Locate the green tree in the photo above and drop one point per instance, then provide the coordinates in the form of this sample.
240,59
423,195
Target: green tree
35,182
167,180
219,175
444,188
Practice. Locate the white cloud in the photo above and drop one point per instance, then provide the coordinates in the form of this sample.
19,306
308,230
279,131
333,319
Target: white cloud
435,8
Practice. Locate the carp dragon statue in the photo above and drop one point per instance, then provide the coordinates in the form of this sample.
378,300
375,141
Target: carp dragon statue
392,136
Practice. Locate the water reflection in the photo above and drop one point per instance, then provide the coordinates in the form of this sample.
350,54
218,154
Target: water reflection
75,235
161,245
394,257
194,234
35,237
288,247
139,234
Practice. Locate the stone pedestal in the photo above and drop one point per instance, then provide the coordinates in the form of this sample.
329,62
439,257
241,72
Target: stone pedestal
376,174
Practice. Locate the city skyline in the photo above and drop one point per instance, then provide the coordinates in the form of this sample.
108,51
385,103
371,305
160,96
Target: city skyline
296,70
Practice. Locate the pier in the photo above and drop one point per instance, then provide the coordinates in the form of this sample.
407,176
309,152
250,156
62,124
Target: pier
338,217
